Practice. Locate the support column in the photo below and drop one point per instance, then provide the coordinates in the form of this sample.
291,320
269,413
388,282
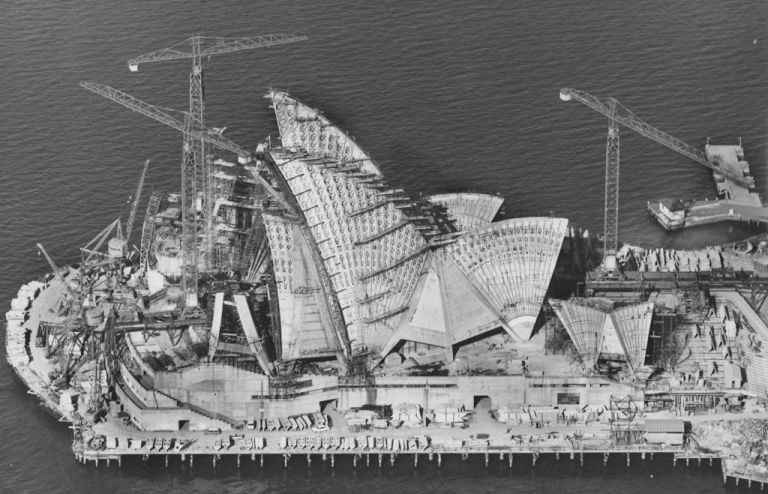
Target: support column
511,459
309,459
191,460
486,460
238,461
415,460
629,456
380,458
606,456
439,459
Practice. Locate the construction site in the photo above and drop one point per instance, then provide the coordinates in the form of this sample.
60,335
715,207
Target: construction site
289,300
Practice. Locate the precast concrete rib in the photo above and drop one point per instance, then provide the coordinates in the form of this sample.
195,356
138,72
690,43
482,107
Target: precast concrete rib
218,309
251,335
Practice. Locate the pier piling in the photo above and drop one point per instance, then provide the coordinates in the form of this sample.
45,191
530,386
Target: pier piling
333,460
166,460
439,459
606,456
628,459
416,460
238,461
309,459
380,459
534,459
486,460
391,459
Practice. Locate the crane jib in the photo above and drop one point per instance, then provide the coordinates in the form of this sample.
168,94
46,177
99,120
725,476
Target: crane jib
622,115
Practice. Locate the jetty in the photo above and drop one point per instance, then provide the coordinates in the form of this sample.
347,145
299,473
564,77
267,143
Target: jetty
737,202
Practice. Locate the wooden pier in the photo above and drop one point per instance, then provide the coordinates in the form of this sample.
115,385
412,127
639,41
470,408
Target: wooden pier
504,455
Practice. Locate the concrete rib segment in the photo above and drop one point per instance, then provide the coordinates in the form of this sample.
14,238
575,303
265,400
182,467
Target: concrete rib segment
469,210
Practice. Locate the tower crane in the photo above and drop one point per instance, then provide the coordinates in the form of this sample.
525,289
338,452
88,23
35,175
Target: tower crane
618,114
189,171
196,48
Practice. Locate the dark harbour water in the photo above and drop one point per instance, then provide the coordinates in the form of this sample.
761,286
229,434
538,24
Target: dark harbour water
446,96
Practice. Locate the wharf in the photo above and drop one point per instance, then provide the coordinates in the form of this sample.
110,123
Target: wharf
736,201
238,449
675,215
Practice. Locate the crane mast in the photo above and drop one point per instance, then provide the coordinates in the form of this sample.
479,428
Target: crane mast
189,224
611,217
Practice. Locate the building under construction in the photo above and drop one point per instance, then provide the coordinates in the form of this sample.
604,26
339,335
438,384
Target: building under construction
281,281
